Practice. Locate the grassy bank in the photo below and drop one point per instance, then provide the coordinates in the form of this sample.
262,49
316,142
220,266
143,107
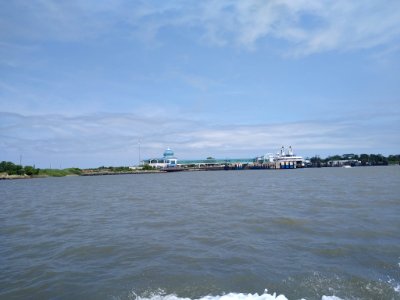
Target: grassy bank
59,172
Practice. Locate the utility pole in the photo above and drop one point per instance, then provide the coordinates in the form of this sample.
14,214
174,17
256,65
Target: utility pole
139,153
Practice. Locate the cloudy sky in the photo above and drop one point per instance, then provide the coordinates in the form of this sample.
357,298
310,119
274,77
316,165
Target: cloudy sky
82,82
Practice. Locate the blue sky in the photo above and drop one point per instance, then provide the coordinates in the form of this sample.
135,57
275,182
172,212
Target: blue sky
81,82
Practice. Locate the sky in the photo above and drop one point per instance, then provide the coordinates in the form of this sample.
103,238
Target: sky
84,83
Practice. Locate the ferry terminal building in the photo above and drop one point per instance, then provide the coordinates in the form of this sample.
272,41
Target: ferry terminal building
285,159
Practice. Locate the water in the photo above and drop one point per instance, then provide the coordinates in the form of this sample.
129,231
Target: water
328,233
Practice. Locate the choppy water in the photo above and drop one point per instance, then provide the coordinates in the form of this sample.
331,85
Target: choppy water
306,233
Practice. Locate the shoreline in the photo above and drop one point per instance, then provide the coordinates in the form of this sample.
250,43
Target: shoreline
15,177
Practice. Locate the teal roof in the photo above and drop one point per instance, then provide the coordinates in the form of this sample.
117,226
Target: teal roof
215,161
168,152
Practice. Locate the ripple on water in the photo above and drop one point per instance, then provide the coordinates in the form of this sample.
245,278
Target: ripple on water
304,234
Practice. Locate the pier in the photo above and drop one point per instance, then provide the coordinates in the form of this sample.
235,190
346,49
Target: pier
284,159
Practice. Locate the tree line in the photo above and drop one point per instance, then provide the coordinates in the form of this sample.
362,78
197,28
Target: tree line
13,169
363,159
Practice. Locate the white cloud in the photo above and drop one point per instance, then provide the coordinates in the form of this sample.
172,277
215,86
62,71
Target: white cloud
113,138
307,26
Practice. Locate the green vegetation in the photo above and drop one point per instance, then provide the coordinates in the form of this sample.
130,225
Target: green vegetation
148,167
73,171
116,170
30,171
393,159
364,159
119,169
58,172
12,169
111,169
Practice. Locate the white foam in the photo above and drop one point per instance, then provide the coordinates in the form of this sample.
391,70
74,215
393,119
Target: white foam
394,284
331,298
230,296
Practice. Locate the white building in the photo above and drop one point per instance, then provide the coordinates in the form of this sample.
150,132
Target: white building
168,160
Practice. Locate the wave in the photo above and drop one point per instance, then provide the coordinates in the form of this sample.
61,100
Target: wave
160,295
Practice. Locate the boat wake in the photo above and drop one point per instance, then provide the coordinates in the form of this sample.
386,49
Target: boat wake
231,296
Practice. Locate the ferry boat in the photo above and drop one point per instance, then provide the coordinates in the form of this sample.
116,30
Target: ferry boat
286,159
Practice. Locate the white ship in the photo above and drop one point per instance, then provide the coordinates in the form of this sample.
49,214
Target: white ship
284,159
